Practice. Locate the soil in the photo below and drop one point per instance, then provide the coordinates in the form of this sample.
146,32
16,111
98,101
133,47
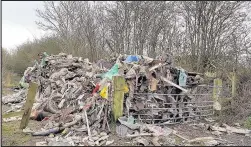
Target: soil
190,132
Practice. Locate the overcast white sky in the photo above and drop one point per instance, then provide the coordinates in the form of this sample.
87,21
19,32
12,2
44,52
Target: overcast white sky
18,22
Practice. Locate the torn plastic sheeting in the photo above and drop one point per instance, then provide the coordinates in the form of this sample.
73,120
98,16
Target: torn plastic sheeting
129,123
43,63
112,72
23,84
182,78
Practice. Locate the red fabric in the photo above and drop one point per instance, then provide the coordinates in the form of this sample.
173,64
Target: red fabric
46,118
96,89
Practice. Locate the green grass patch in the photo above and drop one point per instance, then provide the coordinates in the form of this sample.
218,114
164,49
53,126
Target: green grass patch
178,140
12,135
247,123
12,114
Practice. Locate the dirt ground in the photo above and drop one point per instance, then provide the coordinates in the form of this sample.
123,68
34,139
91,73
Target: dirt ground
13,136
192,132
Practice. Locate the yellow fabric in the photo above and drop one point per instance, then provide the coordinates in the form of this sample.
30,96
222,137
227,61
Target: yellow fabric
104,92
126,89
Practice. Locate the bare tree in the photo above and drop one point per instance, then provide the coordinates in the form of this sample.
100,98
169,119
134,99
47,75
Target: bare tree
203,31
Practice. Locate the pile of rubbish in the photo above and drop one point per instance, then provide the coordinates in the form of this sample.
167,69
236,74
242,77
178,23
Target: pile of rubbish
74,95
156,91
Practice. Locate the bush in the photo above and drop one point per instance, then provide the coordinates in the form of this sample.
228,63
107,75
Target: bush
25,54
240,106
247,123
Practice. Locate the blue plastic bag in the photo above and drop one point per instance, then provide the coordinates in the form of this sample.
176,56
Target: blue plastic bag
132,58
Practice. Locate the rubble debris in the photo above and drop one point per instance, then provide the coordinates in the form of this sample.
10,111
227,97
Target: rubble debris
155,141
15,118
175,133
126,121
217,133
137,135
141,141
15,98
101,139
217,106
228,129
121,130
58,143
109,142
27,130
208,141
209,120
74,97
41,143
173,84
237,124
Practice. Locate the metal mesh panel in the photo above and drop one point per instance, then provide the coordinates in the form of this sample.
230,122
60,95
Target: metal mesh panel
164,109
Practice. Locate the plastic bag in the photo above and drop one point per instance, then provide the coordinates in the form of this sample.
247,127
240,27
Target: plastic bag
112,72
23,84
182,78
132,58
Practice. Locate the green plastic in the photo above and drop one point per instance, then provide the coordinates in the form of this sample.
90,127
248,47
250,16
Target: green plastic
112,72
130,119
23,84
42,64
45,54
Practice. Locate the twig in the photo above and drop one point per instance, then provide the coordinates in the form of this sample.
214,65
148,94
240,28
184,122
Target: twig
142,134
155,141
173,84
101,110
87,123
180,136
56,129
108,126
105,116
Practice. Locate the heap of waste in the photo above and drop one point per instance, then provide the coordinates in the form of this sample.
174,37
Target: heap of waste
74,96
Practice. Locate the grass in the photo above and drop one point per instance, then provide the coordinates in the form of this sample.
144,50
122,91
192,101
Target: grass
12,135
12,114
247,123
178,140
